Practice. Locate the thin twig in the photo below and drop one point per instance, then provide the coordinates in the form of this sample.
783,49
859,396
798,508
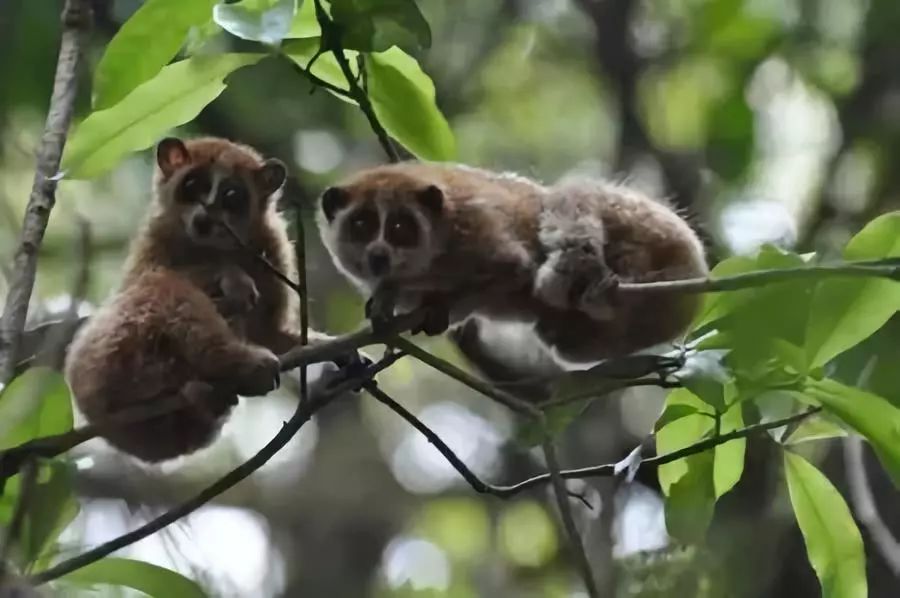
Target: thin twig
76,17
516,404
602,471
607,387
468,475
318,81
865,507
565,511
887,268
300,251
302,414
331,41
29,479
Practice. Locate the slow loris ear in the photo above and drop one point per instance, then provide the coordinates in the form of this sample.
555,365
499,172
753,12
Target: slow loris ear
171,154
271,176
432,198
333,199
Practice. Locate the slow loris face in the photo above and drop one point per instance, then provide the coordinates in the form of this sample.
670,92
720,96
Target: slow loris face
208,185
378,234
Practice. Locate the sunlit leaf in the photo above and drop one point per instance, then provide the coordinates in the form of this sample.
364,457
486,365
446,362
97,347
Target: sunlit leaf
674,412
144,44
268,22
35,404
728,462
325,67
404,100
152,580
377,25
176,95
844,312
680,433
833,542
691,501
815,428
305,23
872,416
705,375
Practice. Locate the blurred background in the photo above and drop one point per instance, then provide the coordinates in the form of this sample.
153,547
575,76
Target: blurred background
764,120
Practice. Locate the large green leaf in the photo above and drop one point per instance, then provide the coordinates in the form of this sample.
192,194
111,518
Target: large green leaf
872,416
51,509
35,404
728,461
691,501
305,23
376,25
267,22
679,433
144,44
404,101
176,95
152,580
845,312
833,542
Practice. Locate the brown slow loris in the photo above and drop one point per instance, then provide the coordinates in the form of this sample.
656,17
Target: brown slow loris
466,242
196,315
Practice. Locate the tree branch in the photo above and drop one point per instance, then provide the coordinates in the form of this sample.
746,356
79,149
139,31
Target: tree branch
302,415
75,23
864,506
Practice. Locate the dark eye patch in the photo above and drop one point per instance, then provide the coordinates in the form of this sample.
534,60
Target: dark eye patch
402,229
361,225
232,195
195,185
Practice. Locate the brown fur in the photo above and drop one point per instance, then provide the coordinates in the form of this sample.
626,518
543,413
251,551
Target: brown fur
490,242
164,334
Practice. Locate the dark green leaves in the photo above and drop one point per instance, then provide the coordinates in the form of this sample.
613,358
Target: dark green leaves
691,501
146,42
833,542
376,25
152,580
176,95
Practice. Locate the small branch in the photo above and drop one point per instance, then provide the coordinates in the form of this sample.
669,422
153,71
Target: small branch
76,17
602,471
261,260
29,479
504,398
468,475
864,506
888,268
300,250
331,40
565,513
318,81
302,414
606,388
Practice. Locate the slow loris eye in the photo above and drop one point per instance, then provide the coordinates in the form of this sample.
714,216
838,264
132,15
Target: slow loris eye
362,226
194,186
402,229
233,198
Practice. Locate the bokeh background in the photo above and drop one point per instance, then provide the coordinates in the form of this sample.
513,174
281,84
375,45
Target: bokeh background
764,120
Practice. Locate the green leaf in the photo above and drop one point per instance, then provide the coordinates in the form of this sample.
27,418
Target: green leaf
404,101
815,428
305,23
51,509
144,44
152,580
705,376
377,25
833,542
691,501
845,312
872,416
680,433
728,462
176,95
268,22
673,413
35,404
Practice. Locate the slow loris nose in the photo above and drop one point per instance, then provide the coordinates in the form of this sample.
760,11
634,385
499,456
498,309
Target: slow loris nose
202,223
379,261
